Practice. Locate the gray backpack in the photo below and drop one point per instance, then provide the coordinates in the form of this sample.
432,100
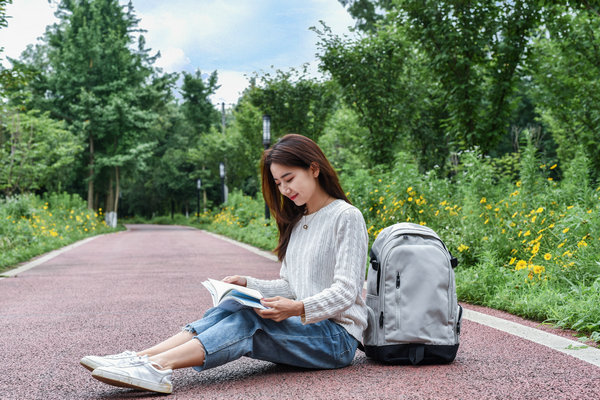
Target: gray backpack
414,317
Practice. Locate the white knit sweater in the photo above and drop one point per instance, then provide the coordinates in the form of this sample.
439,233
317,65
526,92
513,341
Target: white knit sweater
324,266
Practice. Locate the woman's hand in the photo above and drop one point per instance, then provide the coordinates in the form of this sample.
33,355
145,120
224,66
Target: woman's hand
280,308
236,280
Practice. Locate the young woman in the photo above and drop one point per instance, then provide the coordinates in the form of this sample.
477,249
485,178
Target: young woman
316,314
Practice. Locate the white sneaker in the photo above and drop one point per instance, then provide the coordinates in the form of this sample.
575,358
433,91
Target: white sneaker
93,362
137,374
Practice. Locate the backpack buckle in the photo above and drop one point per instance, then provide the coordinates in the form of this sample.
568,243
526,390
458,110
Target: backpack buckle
374,264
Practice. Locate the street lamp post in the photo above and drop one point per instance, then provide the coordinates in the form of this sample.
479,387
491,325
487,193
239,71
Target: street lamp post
222,175
199,186
266,144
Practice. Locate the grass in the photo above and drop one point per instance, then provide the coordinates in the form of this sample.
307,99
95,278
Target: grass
31,225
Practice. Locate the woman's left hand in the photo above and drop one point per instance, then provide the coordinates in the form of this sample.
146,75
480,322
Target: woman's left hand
280,308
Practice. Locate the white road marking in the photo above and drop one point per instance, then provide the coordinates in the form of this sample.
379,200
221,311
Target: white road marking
14,272
555,342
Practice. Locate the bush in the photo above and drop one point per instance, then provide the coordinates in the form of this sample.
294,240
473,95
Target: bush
31,225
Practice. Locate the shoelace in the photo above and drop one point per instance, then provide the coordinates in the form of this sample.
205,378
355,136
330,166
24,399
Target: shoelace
140,360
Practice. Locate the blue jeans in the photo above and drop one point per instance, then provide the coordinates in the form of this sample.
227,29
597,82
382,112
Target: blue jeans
227,336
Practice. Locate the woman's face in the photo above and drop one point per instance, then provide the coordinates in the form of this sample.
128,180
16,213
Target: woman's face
298,184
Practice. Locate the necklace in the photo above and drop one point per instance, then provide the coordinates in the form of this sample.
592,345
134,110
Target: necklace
305,225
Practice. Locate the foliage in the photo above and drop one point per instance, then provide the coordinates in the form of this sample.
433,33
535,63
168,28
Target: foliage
35,152
384,80
475,49
565,68
31,225
342,142
295,102
196,107
99,85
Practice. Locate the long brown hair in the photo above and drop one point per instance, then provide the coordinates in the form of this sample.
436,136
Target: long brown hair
294,151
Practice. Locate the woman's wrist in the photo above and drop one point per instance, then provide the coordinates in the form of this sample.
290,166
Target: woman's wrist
300,311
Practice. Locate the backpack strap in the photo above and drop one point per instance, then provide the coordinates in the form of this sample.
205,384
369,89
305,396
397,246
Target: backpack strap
376,267
453,261
416,353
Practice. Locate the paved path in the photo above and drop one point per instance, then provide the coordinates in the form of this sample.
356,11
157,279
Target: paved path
131,289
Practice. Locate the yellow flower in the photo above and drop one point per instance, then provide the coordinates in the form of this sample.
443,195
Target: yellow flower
483,200
565,230
552,167
462,248
521,264
538,269
539,210
409,189
518,184
547,256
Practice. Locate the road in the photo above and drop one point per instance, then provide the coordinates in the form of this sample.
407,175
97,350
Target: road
131,289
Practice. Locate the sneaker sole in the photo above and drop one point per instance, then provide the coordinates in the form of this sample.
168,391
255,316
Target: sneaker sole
130,382
88,364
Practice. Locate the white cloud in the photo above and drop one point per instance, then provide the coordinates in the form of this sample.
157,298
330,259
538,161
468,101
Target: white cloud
27,22
172,59
232,84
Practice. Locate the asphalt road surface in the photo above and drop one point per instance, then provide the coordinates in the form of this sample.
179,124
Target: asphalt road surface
131,289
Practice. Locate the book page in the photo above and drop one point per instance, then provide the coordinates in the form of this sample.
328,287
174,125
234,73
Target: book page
222,288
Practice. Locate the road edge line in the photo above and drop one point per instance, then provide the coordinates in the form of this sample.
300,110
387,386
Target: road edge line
248,247
567,346
11,273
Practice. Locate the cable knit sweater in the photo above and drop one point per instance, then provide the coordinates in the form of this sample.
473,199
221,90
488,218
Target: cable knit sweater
324,267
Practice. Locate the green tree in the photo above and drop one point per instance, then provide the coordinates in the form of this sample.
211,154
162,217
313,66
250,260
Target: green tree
466,65
475,49
295,102
384,80
197,107
367,13
96,82
36,152
565,87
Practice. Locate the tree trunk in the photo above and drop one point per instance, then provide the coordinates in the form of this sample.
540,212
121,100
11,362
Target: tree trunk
110,198
117,189
91,176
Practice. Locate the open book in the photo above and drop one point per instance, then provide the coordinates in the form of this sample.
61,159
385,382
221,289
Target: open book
233,297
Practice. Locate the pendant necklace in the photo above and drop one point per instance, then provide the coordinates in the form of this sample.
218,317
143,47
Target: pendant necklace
305,226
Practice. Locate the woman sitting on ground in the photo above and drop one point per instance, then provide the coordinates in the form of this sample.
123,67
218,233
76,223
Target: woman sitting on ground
316,314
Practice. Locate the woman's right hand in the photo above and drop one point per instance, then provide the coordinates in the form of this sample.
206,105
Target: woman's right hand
236,280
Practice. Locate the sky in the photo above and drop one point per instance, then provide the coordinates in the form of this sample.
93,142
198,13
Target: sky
233,37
